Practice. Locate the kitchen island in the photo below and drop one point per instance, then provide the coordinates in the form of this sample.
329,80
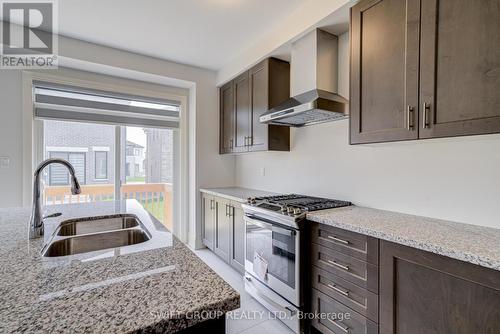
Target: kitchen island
160,287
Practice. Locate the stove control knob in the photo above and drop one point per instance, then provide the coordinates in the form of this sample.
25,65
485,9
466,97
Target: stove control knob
290,210
284,209
252,200
297,211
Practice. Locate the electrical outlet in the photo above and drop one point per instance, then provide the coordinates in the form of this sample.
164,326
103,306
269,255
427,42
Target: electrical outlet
4,162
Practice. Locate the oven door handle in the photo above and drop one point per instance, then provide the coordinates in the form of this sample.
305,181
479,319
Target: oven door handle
264,224
256,221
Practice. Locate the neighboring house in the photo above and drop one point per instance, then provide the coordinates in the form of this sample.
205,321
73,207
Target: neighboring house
134,164
88,147
159,155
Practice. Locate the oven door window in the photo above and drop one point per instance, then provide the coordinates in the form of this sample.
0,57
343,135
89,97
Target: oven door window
274,244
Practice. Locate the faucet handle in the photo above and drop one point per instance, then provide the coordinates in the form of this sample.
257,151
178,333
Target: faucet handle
75,186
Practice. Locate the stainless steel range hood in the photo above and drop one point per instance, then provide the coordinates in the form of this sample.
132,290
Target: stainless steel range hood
314,73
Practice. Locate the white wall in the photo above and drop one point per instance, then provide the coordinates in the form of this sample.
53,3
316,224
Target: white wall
207,167
455,179
10,138
303,19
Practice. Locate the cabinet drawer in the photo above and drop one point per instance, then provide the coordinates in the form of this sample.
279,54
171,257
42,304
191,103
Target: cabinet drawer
354,244
349,294
347,267
341,319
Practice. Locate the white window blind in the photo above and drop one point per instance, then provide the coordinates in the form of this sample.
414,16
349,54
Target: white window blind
54,101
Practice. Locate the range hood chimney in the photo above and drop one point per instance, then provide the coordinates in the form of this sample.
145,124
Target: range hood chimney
314,76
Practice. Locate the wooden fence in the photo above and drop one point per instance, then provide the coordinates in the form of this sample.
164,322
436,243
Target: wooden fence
155,197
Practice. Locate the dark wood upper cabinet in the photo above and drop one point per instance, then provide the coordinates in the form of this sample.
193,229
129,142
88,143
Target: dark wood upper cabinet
424,293
270,86
259,78
424,69
460,68
226,139
384,70
241,112
263,87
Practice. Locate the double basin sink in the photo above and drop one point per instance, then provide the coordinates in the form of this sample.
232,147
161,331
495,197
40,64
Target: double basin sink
85,235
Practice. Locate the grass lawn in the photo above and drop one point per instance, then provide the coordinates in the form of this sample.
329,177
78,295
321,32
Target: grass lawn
155,208
138,179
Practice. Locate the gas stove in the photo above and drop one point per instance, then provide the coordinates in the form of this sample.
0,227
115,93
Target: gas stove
276,251
288,209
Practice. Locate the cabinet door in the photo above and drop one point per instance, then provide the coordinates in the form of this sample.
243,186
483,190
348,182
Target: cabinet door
226,117
222,229
208,207
460,68
424,293
242,112
259,95
384,70
237,237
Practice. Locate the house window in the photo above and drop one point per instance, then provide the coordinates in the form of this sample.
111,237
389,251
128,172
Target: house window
73,130
59,175
101,165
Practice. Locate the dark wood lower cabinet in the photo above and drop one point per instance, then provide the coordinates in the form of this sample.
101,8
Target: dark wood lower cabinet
237,238
425,293
223,229
336,318
344,287
410,292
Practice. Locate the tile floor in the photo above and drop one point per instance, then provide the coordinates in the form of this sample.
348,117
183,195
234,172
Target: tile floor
256,325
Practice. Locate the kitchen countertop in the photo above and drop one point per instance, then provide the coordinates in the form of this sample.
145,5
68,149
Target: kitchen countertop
237,194
475,244
123,290
470,243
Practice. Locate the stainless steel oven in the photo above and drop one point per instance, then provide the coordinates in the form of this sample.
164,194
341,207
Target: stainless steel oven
272,262
273,255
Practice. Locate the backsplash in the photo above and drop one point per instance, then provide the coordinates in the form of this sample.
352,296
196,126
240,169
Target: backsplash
454,179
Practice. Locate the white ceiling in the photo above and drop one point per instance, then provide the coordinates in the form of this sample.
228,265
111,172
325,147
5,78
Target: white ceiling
204,33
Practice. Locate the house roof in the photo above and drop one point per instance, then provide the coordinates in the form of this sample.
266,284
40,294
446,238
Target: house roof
131,143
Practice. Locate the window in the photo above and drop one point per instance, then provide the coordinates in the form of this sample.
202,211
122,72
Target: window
59,175
84,145
113,160
101,165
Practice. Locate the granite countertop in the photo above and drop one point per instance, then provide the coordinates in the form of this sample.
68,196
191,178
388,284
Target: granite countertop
475,244
237,194
161,288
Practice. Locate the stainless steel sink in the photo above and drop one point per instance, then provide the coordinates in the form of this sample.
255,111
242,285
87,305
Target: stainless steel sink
96,241
90,234
87,225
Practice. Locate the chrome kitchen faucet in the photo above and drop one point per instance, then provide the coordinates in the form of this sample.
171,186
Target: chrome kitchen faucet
36,223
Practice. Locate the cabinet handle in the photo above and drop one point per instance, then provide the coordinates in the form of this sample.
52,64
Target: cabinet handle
246,141
343,327
410,118
334,287
227,207
231,211
230,143
336,264
345,242
250,141
427,109
211,204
